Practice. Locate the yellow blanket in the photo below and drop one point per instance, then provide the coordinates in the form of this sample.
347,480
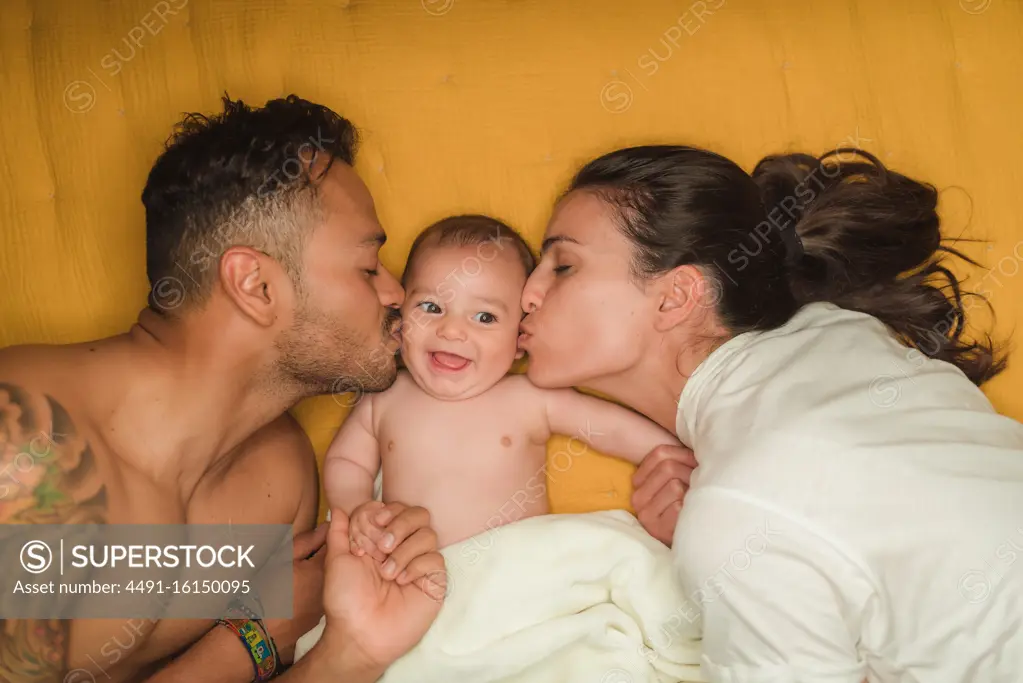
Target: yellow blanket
488,106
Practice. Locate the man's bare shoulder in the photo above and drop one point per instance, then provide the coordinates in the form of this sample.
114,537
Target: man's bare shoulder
48,469
83,376
272,475
30,361
284,434
48,475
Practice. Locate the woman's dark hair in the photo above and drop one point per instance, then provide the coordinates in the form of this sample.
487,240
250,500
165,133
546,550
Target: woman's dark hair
840,228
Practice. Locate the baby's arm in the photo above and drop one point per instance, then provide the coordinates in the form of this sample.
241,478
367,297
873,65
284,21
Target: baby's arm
606,426
352,460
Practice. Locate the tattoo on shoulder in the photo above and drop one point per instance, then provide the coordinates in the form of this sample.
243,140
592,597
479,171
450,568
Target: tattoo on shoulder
48,471
48,475
32,650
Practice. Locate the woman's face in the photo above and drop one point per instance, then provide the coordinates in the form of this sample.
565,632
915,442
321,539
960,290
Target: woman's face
587,317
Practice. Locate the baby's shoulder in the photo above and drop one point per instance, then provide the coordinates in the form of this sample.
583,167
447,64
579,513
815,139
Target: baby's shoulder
400,390
519,386
516,392
402,381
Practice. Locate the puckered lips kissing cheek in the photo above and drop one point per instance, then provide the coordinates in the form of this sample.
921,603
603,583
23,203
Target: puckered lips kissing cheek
525,333
392,334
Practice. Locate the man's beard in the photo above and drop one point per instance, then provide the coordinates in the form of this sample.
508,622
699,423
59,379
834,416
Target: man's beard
321,356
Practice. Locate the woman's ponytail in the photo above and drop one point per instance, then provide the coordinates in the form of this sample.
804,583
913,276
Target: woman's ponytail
867,238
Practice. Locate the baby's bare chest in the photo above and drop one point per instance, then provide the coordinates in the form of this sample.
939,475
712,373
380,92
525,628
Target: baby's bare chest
437,438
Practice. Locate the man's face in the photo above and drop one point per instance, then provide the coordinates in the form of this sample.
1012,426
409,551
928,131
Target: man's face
344,336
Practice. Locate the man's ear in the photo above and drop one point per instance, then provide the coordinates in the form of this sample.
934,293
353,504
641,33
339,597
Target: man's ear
680,292
253,282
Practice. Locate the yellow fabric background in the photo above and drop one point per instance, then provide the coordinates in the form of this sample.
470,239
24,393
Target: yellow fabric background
489,105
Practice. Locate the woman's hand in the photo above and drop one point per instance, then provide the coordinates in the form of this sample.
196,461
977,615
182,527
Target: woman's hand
660,483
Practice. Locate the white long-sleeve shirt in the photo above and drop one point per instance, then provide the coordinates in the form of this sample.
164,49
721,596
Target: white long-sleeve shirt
857,513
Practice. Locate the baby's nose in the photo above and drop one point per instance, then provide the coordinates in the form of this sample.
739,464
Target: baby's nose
451,329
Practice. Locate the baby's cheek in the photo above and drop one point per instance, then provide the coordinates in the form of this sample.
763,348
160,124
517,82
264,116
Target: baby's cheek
501,347
421,325
411,333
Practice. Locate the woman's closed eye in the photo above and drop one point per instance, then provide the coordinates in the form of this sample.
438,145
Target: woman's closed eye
559,270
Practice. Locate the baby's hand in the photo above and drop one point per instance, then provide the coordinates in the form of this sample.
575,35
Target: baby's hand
364,533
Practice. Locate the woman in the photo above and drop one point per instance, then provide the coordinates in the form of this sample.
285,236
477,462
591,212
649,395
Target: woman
855,510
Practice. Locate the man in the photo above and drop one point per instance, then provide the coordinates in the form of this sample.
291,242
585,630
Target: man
263,254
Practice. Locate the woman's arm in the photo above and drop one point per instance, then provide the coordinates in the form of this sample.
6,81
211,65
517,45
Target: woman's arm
607,427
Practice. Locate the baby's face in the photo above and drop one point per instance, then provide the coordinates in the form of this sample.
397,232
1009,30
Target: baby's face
461,319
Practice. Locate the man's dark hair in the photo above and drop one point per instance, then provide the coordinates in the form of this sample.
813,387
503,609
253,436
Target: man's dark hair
469,230
240,177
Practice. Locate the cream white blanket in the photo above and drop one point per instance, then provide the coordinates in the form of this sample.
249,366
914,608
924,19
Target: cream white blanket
560,598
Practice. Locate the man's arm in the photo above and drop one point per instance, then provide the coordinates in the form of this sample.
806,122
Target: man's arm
333,659
47,476
369,623
272,480
219,658
607,427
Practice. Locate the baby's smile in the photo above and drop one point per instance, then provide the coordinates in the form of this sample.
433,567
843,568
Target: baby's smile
442,361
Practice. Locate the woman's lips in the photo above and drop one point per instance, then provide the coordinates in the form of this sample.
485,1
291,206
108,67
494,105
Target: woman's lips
525,334
448,362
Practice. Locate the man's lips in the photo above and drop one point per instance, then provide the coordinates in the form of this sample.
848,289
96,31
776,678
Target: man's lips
393,335
393,339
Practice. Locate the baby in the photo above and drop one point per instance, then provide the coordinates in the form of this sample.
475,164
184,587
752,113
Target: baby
456,434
